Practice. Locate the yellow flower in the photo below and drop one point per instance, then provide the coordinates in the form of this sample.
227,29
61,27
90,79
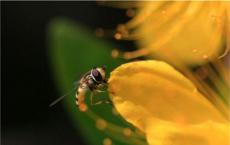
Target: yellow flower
166,106
169,108
169,30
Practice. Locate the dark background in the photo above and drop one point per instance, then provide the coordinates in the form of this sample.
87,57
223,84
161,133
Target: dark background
27,83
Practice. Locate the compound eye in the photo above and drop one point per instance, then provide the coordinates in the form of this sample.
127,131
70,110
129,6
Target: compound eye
96,74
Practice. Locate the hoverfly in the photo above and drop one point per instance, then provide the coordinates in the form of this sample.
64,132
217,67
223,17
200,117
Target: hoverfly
94,80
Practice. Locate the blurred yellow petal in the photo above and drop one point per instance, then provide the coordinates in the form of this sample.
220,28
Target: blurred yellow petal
146,91
180,32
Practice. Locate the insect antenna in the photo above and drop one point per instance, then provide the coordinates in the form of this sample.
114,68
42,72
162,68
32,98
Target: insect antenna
60,98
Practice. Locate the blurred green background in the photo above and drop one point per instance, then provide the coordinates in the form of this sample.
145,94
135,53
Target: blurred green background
46,47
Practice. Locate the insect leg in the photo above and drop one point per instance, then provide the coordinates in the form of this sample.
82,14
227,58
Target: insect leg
99,91
107,101
100,88
91,99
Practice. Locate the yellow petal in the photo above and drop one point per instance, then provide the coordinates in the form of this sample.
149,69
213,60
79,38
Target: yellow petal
181,32
165,105
144,90
207,133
